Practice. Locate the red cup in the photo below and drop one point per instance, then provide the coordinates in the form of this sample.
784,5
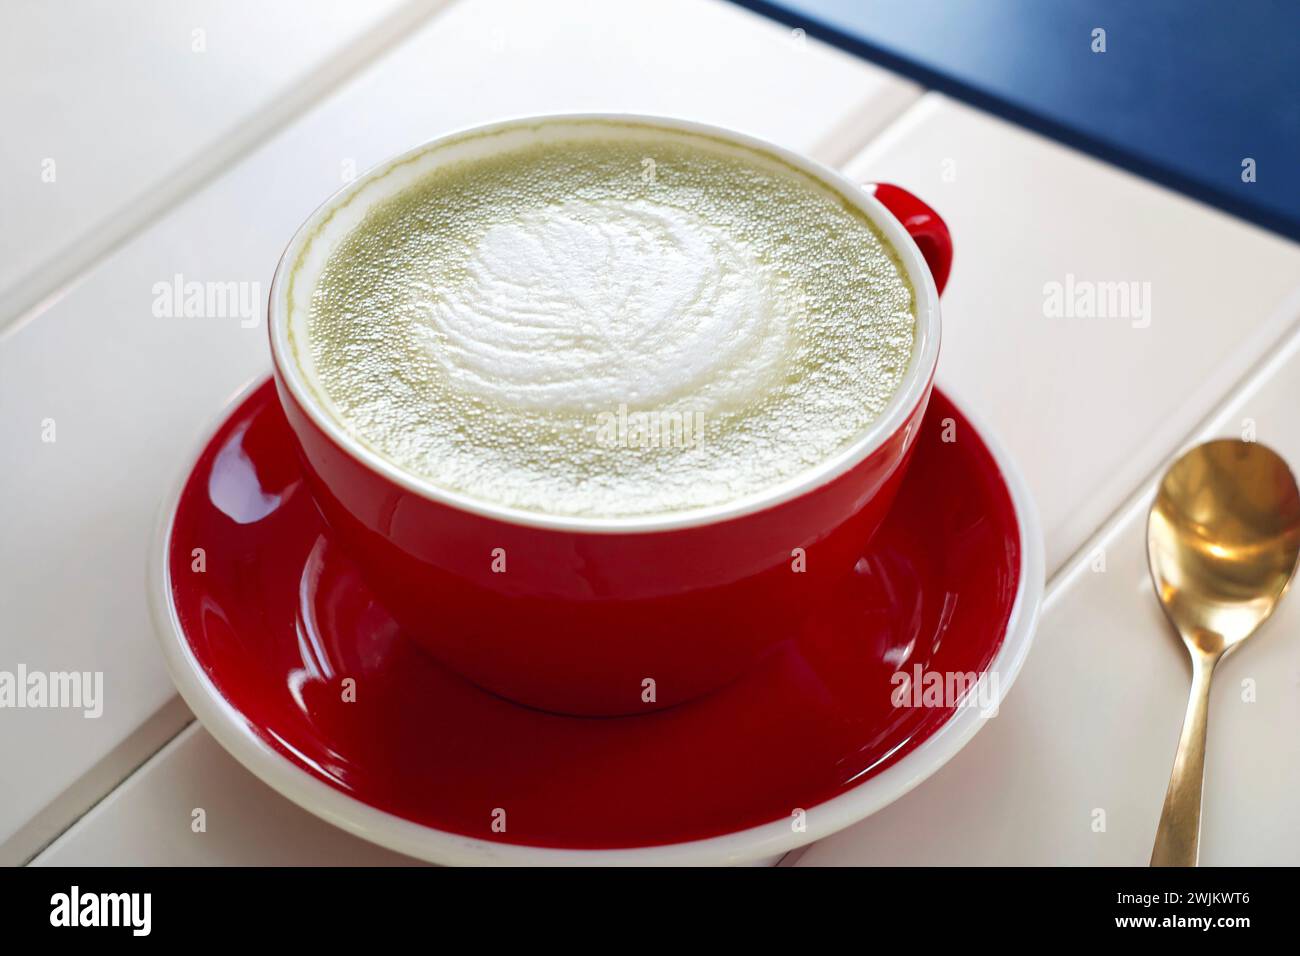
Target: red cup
609,616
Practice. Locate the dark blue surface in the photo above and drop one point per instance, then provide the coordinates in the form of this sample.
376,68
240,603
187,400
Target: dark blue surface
1185,91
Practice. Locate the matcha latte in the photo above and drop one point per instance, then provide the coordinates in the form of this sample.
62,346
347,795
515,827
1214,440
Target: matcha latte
604,319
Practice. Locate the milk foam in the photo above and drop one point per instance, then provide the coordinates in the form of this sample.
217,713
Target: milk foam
593,304
538,325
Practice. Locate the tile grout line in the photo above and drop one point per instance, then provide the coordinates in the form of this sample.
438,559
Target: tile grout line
1274,357
38,290
839,148
101,793
172,742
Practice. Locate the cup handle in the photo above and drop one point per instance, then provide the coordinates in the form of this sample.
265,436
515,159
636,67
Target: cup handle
923,224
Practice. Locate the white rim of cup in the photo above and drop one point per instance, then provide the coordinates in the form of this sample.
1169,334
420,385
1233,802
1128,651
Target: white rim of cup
233,731
916,380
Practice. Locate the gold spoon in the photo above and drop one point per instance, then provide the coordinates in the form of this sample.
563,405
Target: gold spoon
1222,541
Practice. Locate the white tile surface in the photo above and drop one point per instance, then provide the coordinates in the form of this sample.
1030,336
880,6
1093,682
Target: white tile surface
129,101
130,392
194,805
1093,721
1087,406
1090,408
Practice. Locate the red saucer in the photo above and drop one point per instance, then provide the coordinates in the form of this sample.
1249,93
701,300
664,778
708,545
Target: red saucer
279,618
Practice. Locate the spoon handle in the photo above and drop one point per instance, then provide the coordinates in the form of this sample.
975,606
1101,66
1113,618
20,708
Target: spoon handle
1178,836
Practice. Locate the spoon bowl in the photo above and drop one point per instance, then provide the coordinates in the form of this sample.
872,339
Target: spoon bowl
1223,539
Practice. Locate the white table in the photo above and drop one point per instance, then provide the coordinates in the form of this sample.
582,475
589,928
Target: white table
172,159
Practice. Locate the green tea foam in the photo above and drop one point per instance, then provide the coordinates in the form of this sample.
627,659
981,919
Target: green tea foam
602,320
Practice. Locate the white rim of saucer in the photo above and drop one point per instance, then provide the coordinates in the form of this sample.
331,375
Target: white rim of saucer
916,380
228,725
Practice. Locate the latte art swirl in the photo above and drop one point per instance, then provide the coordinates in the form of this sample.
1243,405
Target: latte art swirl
593,304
